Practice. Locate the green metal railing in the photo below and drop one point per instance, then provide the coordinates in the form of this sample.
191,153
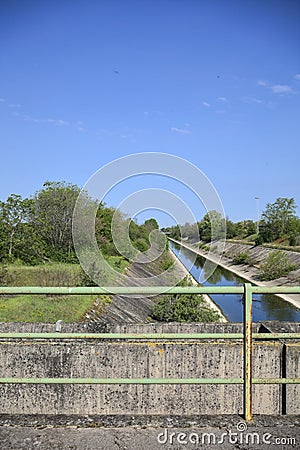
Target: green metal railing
247,290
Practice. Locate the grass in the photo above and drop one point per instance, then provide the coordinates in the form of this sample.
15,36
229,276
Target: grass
119,264
44,275
29,308
46,308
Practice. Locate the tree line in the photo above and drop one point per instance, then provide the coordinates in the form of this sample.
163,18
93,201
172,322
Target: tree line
39,229
278,222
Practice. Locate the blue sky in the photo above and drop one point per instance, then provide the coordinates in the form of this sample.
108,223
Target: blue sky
215,82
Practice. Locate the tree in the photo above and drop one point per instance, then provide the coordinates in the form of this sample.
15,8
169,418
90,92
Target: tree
190,231
245,228
53,212
294,231
174,232
103,230
277,219
212,226
230,229
13,214
151,224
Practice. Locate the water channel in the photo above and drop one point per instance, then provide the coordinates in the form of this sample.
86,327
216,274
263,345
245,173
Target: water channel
265,306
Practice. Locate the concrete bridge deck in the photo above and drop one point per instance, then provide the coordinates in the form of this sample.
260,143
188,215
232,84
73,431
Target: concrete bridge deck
148,433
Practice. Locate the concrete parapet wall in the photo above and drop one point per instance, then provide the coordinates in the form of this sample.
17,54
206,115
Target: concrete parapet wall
136,360
291,365
122,359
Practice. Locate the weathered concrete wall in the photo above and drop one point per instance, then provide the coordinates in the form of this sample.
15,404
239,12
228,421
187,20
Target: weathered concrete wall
292,369
122,359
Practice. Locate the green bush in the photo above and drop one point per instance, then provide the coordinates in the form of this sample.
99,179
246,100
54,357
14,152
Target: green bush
275,265
165,261
259,240
241,258
183,308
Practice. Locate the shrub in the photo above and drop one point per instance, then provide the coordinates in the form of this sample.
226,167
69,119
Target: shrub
293,240
183,308
165,261
241,258
275,265
259,240
203,246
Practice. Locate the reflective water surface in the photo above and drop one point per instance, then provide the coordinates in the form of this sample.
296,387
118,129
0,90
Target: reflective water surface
265,306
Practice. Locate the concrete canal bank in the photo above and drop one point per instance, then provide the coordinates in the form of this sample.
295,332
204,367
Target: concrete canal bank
224,253
129,309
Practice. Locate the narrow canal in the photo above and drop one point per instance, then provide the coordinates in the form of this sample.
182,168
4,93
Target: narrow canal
265,306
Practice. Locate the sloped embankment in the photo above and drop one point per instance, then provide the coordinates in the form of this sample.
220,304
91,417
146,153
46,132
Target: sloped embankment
224,254
137,309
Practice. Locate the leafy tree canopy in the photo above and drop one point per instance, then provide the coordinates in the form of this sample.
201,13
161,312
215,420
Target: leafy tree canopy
278,219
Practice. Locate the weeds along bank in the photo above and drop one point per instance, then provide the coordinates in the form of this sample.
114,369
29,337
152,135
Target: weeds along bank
48,308
105,309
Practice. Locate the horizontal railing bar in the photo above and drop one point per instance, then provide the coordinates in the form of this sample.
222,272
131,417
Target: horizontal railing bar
146,380
276,380
121,381
121,290
146,290
276,335
121,336
155,336
275,289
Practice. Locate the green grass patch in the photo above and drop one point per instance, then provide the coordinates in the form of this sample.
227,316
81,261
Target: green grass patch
33,308
46,308
282,247
118,263
44,275
56,274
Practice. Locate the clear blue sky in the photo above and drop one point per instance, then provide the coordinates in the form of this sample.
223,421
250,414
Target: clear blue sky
215,82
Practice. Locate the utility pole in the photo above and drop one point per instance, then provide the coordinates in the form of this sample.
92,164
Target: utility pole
257,212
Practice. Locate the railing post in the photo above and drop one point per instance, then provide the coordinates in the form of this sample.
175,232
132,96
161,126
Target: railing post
248,352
